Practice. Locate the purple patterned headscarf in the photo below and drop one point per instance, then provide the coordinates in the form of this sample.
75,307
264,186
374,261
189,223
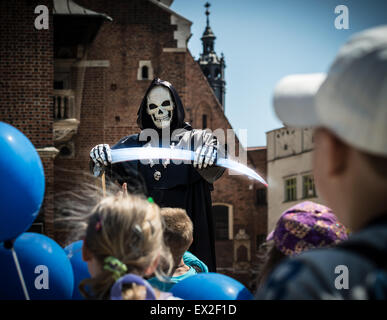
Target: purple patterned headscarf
305,226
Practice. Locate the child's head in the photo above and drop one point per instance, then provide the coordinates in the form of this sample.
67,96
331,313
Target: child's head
348,106
351,181
178,231
123,235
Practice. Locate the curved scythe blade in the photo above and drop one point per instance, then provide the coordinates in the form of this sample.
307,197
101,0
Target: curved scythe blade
146,153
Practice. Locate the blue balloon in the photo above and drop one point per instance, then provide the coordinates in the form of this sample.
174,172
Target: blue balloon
21,182
46,269
81,272
211,286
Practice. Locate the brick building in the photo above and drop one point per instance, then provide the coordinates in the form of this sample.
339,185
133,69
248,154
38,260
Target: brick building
80,83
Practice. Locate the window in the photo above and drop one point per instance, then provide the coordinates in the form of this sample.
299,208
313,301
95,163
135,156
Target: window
308,187
242,254
145,72
204,121
62,80
58,85
220,213
261,197
291,189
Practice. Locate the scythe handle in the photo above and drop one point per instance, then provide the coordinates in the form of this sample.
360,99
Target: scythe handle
103,181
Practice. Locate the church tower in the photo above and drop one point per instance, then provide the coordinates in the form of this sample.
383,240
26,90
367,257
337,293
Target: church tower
211,65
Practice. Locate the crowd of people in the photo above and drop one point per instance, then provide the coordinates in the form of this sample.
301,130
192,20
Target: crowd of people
152,229
135,250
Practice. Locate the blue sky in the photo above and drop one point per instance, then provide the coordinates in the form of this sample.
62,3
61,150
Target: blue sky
264,40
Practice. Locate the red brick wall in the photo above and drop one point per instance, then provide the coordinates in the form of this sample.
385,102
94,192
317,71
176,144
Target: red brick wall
26,71
26,81
258,157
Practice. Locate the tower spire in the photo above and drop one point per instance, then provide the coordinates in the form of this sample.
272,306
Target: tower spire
208,37
211,64
207,5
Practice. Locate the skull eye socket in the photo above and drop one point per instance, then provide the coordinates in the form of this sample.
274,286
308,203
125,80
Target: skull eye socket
166,103
152,106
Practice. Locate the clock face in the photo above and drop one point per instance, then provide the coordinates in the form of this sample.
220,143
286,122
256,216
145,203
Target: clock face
286,142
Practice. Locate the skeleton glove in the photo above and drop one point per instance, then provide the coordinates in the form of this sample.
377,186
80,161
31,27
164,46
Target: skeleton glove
206,154
101,156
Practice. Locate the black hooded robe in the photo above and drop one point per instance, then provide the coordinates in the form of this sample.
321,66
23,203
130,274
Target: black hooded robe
180,185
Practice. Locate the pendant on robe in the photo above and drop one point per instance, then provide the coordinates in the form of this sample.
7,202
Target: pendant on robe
157,175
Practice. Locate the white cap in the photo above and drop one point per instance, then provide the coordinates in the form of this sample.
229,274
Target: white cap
351,100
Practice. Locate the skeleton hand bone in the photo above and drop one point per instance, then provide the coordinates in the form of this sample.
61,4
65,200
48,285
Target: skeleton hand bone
101,156
205,155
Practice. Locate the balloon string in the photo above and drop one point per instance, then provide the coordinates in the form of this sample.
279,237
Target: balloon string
20,274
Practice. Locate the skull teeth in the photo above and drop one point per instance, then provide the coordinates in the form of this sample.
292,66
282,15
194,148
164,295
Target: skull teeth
167,117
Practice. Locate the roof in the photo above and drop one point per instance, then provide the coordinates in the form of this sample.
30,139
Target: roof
256,148
69,7
166,8
208,33
166,2
275,130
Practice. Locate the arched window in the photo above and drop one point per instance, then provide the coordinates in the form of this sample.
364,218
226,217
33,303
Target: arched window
242,254
145,72
223,218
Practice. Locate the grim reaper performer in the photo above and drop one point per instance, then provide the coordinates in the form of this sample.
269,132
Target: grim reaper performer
185,185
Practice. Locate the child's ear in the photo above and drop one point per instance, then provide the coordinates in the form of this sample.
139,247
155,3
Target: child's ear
339,155
86,254
151,269
333,151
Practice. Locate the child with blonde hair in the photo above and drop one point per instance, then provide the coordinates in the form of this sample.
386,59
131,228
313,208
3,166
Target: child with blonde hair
123,242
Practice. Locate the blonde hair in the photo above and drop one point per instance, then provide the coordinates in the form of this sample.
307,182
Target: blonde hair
178,231
129,229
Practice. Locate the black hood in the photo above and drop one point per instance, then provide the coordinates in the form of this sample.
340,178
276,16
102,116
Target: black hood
144,120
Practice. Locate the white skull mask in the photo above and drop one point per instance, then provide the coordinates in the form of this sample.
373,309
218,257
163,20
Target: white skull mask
160,106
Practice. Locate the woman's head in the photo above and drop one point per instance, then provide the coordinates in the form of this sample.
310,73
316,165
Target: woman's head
127,230
305,226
